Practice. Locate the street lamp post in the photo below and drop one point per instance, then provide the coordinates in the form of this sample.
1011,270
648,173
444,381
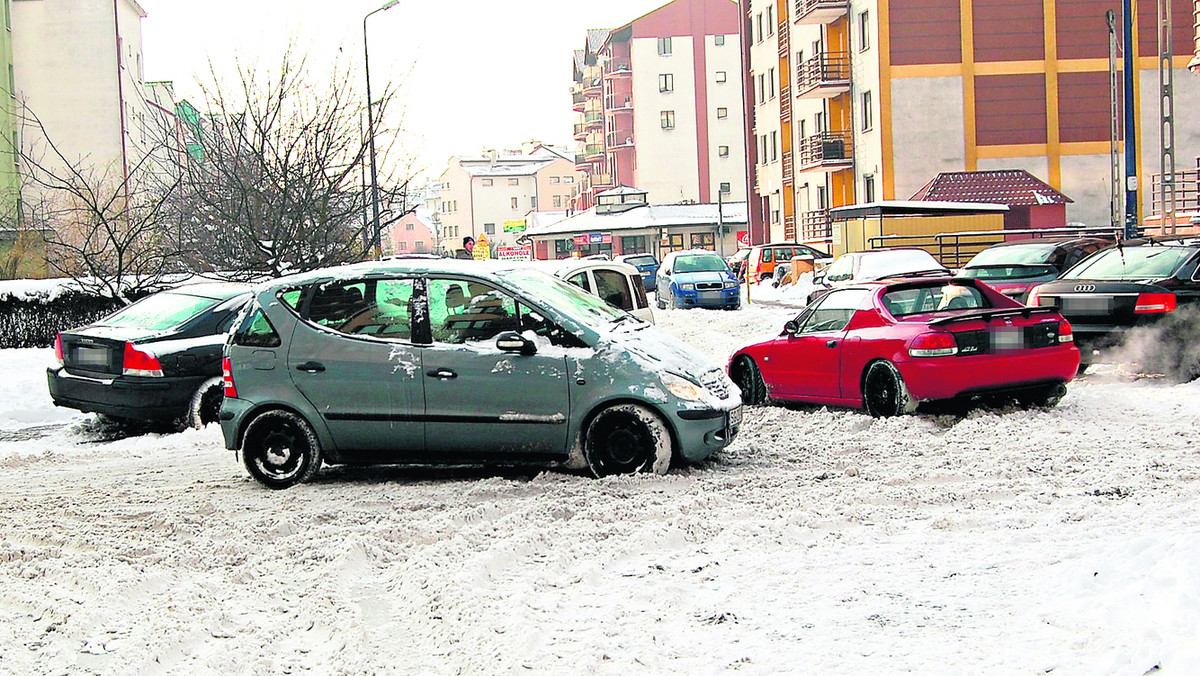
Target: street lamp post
375,231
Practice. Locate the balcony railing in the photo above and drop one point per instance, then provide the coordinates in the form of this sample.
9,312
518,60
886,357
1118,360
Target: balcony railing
827,150
593,149
577,99
593,118
593,86
823,76
820,12
815,225
614,104
617,68
580,131
620,139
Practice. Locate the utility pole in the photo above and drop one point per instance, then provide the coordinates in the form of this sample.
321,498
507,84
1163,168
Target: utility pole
1131,181
1166,116
1114,109
376,233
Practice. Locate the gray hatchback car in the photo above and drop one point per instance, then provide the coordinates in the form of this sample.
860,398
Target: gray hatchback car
451,362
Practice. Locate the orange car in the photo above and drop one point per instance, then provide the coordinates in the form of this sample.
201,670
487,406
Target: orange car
762,259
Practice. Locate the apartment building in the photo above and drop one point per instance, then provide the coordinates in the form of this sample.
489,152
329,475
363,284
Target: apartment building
659,105
864,100
491,194
8,125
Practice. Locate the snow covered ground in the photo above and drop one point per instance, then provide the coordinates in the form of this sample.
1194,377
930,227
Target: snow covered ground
821,541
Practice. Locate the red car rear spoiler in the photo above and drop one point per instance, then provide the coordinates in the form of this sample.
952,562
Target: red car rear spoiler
989,315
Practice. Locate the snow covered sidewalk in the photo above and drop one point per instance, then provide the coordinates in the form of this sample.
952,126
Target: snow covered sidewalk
822,540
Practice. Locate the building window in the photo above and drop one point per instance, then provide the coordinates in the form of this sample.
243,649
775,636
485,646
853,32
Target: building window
487,181
557,201
533,202
803,130
722,113
721,76
869,188
403,246
513,202
666,82
762,153
718,40
771,83
664,46
568,179
758,34
864,31
668,119
489,228
770,20
723,151
724,187
774,147
634,244
762,88
866,111
514,181
702,240
409,226
819,122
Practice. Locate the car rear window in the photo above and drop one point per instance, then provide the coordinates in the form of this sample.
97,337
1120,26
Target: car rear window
995,272
160,311
1135,262
940,298
1024,254
640,260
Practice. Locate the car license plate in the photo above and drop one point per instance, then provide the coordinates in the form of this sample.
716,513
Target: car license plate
735,417
91,356
1087,305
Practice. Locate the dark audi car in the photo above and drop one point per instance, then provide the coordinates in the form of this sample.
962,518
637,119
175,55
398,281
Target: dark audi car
1140,285
1013,268
157,361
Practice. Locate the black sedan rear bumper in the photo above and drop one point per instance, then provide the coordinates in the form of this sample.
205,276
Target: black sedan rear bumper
124,396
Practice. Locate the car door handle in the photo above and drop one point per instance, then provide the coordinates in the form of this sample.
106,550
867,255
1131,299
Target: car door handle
831,343
311,367
442,374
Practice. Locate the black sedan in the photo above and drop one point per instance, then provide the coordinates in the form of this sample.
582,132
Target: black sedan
1013,268
1141,296
157,361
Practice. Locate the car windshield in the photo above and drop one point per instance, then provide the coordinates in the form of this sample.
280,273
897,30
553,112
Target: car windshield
712,263
1135,262
160,311
1022,254
640,260
567,298
936,298
880,264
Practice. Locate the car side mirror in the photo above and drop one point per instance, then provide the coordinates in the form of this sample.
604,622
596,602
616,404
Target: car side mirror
511,341
791,327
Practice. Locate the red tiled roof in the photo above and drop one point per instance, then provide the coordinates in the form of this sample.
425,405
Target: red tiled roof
1014,187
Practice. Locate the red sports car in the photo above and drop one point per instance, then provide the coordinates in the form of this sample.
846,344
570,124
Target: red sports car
886,346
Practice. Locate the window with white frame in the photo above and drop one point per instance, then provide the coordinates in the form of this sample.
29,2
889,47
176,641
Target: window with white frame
722,76
489,228
718,40
722,151
770,20
771,83
722,113
869,188
867,118
864,31
557,201
487,181
664,46
555,179
666,82
774,147
724,187
514,181
667,118
513,202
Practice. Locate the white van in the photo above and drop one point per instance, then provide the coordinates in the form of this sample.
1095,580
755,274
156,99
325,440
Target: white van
619,284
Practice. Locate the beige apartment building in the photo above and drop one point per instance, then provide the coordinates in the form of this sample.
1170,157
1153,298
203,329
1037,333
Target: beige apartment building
491,195
855,101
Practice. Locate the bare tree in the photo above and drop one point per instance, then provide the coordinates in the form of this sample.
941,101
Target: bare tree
105,226
277,186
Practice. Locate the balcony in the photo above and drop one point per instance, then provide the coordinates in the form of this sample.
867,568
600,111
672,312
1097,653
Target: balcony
815,226
622,138
594,151
580,131
614,104
824,76
593,87
826,151
820,12
618,69
577,99
593,119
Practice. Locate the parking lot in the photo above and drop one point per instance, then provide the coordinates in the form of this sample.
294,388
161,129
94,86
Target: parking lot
1005,541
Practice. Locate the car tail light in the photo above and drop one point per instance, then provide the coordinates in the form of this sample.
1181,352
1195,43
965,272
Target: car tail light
227,378
58,349
933,345
1034,299
138,363
1149,303
1065,333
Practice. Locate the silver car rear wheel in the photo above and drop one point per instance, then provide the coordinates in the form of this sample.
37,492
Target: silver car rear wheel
280,449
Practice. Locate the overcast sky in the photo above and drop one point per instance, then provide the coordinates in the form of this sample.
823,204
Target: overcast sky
488,73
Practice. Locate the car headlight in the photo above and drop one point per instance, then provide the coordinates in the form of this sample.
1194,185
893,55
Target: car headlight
731,284
687,287
683,388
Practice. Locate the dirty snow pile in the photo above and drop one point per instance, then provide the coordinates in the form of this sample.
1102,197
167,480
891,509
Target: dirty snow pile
821,541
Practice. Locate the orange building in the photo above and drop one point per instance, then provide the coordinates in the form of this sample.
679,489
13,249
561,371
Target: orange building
868,100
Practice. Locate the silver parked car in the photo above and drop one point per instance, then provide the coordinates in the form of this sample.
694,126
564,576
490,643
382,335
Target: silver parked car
446,362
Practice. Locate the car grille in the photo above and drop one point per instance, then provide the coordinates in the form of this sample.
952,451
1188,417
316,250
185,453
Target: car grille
717,382
709,286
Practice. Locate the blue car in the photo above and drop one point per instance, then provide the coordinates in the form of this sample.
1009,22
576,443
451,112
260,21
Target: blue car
646,265
696,278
